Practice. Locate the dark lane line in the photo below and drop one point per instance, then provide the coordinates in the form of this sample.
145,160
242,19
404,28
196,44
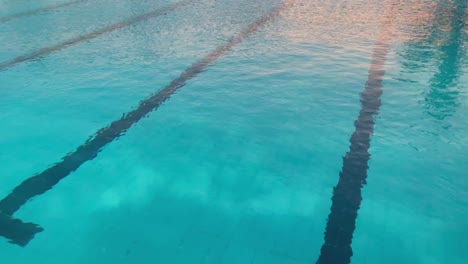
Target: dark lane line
442,100
75,40
347,195
16,231
40,10
47,179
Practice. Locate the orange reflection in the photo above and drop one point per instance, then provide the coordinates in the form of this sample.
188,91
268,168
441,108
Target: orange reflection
341,23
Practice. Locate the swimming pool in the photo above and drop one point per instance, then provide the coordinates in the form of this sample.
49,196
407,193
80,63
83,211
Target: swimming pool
203,131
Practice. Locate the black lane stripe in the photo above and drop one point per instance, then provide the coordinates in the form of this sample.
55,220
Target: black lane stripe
441,101
17,231
45,180
73,41
40,10
347,195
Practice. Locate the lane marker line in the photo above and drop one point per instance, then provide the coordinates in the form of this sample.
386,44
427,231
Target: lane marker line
347,195
40,10
94,34
44,181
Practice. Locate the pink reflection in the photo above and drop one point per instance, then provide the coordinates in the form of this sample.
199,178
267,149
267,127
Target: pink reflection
350,24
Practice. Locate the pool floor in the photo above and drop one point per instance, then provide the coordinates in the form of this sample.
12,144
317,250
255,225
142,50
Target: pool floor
265,131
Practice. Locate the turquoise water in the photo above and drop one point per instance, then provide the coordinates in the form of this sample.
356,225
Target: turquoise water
239,165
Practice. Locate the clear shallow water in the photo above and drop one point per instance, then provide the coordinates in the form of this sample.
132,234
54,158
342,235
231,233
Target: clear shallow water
239,165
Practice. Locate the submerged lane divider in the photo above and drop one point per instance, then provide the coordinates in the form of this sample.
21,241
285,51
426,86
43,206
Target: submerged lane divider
75,40
21,233
347,195
40,10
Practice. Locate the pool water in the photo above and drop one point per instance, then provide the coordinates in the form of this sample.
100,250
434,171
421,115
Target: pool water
216,131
